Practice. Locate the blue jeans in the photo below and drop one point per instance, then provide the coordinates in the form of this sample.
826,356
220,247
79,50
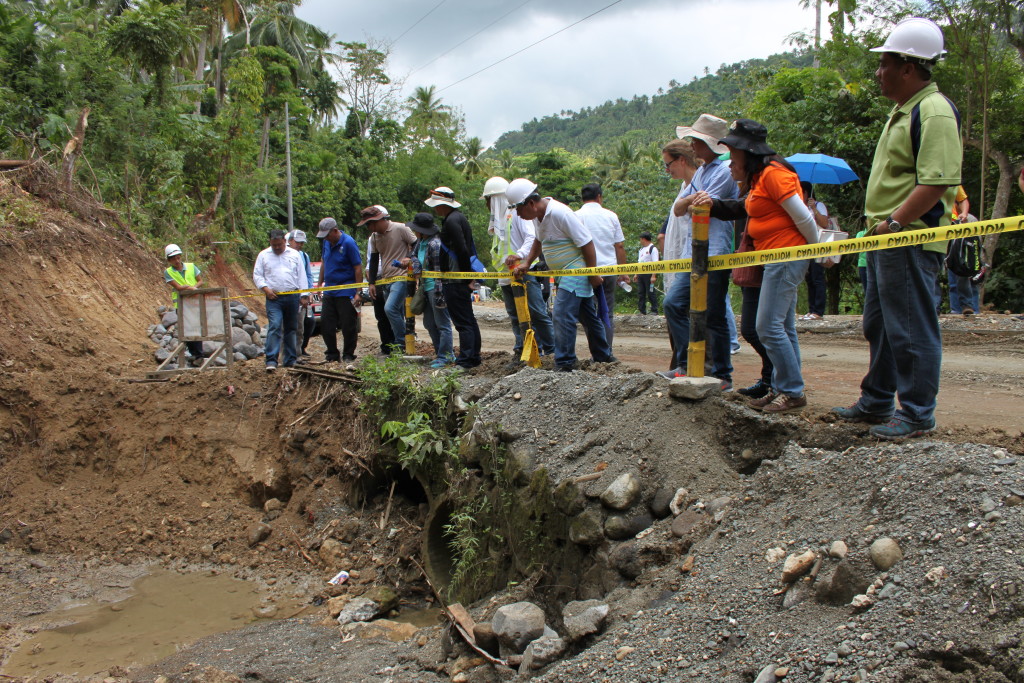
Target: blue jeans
962,292
776,324
730,318
676,307
439,326
394,309
539,318
282,312
902,329
569,309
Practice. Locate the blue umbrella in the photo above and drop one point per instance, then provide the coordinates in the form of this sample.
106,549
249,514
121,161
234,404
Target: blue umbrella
823,169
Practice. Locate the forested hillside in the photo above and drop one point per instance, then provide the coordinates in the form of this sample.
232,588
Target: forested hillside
644,119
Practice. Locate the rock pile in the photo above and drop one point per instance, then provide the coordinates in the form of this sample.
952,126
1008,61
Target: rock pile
246,335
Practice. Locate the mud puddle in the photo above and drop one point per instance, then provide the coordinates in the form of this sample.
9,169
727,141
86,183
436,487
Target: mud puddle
166,612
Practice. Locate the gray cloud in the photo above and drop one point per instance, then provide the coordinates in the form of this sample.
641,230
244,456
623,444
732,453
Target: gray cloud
632,48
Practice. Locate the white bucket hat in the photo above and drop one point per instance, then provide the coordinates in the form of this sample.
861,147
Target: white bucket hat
442,195
708,128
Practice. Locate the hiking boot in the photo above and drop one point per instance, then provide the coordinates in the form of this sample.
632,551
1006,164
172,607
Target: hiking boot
672,374
783,403
758,389
897,428
760,403
968,311
855,414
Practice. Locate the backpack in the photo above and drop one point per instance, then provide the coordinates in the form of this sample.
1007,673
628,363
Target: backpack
963,256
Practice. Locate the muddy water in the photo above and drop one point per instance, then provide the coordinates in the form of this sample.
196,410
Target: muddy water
166,612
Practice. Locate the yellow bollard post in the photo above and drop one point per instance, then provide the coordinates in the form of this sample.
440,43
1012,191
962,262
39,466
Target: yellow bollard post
410,319
696,351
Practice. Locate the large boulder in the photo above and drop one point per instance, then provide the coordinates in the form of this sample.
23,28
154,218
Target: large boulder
239,336
517,625
542,652
586,528
169,319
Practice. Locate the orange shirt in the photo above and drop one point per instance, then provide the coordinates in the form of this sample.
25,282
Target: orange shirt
767,222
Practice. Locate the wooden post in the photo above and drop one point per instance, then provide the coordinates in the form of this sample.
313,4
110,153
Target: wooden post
696,351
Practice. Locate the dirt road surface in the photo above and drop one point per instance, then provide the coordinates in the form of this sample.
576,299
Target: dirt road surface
982,385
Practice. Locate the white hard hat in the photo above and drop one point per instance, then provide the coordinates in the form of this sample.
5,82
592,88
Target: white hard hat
917,38
493,186
519,189
171,250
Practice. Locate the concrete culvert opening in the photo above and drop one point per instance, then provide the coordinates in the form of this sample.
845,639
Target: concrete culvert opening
438,557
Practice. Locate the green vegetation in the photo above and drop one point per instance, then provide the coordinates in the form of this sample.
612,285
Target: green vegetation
186,124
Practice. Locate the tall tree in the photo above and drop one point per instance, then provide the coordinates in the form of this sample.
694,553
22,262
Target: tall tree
150,38
369,90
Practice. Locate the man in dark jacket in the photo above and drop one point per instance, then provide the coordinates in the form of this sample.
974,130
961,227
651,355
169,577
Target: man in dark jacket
457,236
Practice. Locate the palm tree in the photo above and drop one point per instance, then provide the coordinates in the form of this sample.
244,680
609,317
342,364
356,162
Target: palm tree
427,116
472,163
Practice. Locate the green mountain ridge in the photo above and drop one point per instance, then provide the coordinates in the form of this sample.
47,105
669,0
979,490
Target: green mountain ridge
644,119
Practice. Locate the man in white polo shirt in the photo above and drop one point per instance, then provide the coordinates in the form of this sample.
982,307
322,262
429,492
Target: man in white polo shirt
567,245
609,246
279,268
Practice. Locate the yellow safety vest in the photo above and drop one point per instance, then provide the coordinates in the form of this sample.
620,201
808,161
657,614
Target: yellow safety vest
186,279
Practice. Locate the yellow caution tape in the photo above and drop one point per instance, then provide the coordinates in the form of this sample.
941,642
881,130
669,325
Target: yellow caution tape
729,261
800,253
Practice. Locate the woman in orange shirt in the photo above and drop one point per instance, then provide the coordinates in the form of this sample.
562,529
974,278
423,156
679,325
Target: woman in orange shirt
776,217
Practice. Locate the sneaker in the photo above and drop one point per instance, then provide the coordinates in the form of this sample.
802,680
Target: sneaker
671,374
898,428
271,367
760,403
304,353
811,316
733,352
783,403
726,386
758,389
968,312
855,414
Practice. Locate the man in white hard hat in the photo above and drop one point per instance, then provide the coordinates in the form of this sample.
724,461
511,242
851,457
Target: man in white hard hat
183,276
457,236
912,186
514,236
567,245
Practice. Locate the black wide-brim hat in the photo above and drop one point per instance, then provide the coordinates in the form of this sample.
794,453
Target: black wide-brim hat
424,224
749,136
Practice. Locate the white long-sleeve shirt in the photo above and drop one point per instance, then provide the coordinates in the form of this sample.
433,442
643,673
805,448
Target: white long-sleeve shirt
284,273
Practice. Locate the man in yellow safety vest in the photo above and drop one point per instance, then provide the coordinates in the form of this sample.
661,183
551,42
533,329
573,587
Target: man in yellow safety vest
183,276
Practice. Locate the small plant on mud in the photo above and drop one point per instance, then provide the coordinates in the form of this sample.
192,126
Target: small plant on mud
464,533
418,443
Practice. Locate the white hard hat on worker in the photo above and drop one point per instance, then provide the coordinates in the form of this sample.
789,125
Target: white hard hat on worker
171,250
493,186
915,38
518,190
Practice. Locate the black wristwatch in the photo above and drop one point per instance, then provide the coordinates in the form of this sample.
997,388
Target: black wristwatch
894,225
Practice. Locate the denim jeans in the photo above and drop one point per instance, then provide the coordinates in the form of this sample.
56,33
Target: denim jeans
815,288
388,342
439,325
282,316
609,288
394,309
569,309
540,320
776,324
962,292
730,319
460,308
902,329
677,314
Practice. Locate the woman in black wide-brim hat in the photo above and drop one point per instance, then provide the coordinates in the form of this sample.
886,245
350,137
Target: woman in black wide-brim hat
777,217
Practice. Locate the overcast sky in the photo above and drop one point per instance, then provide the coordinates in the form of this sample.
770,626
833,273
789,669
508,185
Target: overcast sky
633,47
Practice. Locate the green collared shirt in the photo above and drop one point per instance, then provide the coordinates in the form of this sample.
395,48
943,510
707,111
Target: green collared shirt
895,172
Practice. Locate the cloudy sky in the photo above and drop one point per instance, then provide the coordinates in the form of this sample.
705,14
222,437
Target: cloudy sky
633,47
